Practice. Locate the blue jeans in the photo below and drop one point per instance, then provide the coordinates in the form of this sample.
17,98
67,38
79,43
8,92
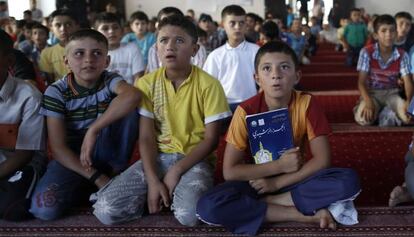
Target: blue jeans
60,188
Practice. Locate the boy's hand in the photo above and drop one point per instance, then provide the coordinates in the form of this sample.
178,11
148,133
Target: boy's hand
157,197
291,160
368,111
88,146
171,179
264,185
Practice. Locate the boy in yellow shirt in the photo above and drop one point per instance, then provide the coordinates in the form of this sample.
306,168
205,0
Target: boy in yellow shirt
180,124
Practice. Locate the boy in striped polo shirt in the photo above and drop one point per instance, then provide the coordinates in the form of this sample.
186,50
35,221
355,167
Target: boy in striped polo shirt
92,126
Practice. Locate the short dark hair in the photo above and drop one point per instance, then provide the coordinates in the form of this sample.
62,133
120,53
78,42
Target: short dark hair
270,29
275,47
169,11
29,25
106,17
182,22
6,43
383,20
405,15
28,12
235,10
205,17
201,32
138,15
63,12
40,26
89,33
252,15
20,24
355,9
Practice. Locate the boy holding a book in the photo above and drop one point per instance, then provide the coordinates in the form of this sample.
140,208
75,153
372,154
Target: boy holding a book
289,188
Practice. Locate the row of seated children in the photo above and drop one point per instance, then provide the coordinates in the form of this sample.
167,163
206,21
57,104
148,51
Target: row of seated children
92,126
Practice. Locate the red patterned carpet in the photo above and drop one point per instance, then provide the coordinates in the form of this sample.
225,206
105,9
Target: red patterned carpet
338,107
374,221
377,154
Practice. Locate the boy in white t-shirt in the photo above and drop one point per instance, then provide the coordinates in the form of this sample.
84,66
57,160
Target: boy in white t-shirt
233,63
126,58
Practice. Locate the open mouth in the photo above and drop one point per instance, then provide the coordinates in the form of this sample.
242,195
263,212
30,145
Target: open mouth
88,69
170,57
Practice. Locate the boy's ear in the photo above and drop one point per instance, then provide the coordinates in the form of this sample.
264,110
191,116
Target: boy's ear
256,78
196,48
298,76
375,36
108,61
66,61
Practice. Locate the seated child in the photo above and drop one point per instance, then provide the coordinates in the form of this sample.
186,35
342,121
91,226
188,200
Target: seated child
126,58
140,34
298,42
181,112
404,37
92,125
62,23
380,66
289,188
232,63
22,161
269,32
39,37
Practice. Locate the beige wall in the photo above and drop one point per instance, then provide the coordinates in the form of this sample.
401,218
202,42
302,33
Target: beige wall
386,6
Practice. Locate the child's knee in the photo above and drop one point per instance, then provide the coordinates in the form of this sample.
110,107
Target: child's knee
45,205
207,209
359,119
111,211
349,184
186,218
46,213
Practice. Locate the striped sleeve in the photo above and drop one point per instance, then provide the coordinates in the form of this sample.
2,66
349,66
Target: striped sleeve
405,67
363,61
53,104
112,81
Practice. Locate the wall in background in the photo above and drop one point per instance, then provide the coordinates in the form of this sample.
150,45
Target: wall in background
386,7
17,7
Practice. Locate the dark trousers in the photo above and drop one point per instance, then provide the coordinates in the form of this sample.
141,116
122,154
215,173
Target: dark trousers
219,205
15,193
352,56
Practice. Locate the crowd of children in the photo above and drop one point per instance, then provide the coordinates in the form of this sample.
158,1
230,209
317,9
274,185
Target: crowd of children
172,90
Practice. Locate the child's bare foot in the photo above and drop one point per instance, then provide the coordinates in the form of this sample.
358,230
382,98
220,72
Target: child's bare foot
325,220
399,195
